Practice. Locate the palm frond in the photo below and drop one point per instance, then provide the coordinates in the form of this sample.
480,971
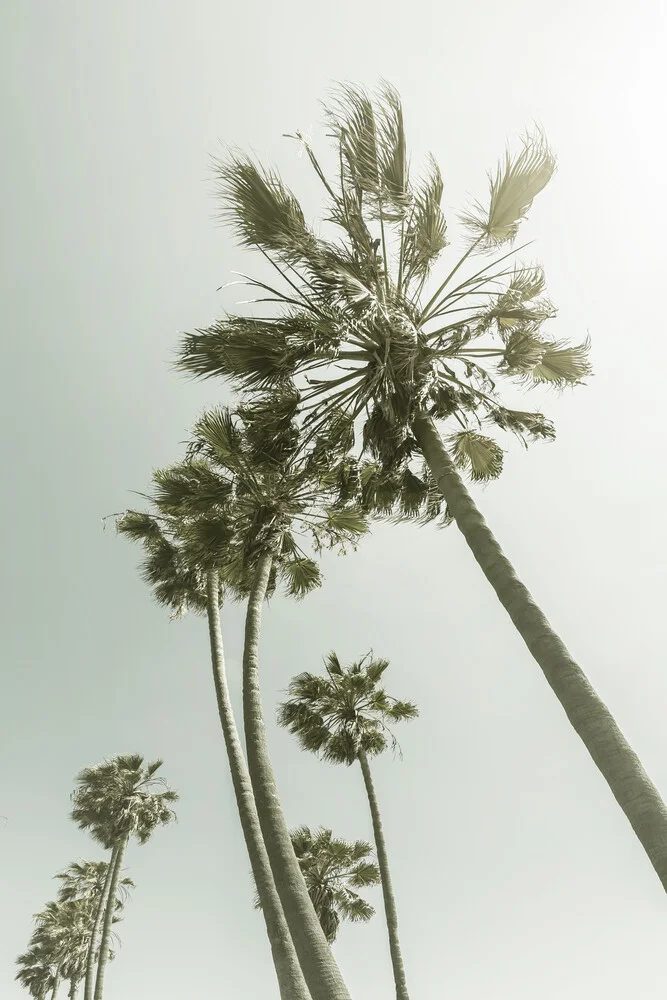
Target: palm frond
480,456
512,191
262,211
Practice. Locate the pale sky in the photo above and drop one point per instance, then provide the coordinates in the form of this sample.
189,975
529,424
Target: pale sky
516,874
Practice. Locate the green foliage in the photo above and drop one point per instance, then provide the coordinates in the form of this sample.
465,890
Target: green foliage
344,713
353,333
119,798
332,869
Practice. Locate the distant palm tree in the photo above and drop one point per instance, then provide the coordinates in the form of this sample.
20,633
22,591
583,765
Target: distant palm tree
114,801
332,869
63,934
37,972
279,486
343,717
89,881
354,316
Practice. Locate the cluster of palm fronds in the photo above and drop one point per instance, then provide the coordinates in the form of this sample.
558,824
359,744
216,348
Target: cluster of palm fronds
74,939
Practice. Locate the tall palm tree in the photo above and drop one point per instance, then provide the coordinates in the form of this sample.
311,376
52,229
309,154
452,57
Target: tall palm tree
402,365
279,486
332,869
89,881
343,717
182,582
115,800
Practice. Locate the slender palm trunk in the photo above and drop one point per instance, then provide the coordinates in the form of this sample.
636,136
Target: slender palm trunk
95,932
319,966
108,920
632,788
56,985
387,889
290,977
73,987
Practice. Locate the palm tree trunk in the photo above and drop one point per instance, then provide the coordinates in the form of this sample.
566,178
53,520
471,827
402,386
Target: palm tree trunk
108,920
387,889
95,932
56,984
290,977
319,966
632,788
73,987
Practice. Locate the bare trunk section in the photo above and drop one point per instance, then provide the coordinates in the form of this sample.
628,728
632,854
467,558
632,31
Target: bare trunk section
632,788
95,933
290,978
387,888
319,966
108,920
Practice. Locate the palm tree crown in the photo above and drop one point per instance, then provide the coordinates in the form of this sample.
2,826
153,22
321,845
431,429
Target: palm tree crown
356,315
250,482
332,869
345,713
118,798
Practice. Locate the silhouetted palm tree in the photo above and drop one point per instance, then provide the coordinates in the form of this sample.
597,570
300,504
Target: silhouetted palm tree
403,365
343,717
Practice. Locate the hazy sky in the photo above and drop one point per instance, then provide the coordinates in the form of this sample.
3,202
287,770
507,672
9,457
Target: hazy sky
516,874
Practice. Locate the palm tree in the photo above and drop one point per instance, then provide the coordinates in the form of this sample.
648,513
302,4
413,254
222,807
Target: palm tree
89,881
181,582
61,939
343,717
37,973
278,486
403,366
332,868
114,801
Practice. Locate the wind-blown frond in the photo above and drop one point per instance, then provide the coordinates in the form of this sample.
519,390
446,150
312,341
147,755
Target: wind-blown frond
480,456
513,189
261,209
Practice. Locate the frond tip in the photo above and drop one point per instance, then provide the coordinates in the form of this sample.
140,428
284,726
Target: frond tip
513,189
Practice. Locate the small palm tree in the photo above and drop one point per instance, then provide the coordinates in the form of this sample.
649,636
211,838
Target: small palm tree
272,485
332,868
343,718
89,881
115,800
354,314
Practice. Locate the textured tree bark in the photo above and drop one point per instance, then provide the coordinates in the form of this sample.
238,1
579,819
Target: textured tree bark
108,920
319,966
95,933
387,888
290,978
632,788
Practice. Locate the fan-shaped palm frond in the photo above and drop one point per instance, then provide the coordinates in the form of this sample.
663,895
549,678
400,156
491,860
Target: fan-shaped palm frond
332,868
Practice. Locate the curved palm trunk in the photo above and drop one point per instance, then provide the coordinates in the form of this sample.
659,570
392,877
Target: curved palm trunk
108,920
387,889
95,932
632,788
319,966
290,978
